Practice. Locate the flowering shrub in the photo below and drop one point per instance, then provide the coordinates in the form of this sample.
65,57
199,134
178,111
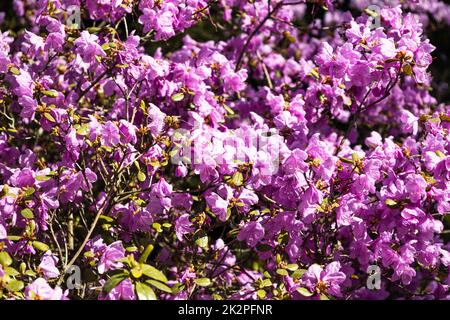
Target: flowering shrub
231,149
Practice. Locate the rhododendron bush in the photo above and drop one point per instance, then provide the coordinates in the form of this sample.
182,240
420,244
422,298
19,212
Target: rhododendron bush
227,149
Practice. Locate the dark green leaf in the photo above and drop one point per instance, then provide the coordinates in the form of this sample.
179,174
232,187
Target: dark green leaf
113,282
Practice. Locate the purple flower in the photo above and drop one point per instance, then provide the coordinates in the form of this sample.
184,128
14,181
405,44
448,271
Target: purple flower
110,134
252,233
127,132
409,122
386,48
416,187
48,265
324,281
108,260
39,289
183,226
23,178
123,291
162,188
413,216
88,47
218,205
3,233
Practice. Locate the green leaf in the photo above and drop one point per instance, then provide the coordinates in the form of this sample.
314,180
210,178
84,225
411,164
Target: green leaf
283,237
89,254
292,267
131,249
5,259
266,283
261,294
15,285
49,117
324,297
345,160
50,93
228,109
14,238
14,71
159,285
228,215
83,130
30,273
282,272
154,273
390,60
42,178
237,179
142,106
106,218
178,97
113,282
40,246
141,176
371,13
144,292
11,271
136,272
444,117
202,242
93,29
298,273
146,253
203,282
157,227
27,213
29,191
314,73
304,292
407,69
289,37
356,157
391,203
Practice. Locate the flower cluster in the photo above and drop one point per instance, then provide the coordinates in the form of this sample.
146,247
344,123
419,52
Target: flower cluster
222,150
